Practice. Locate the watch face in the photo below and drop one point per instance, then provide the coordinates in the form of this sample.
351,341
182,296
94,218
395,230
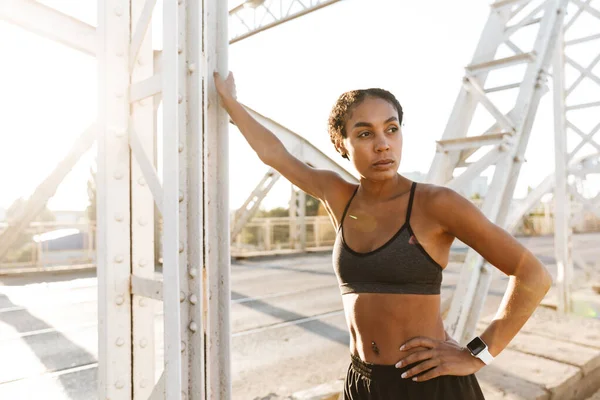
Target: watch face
475,346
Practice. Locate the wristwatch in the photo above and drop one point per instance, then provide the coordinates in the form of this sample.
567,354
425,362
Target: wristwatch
479,349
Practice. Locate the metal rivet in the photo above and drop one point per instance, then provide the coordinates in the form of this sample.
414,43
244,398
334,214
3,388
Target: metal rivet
142,181
118,175
193,272
143,302
193,299
181,297
119,384
143,343
192,67
120,300
193,326
179,2
183,396
183,346
143,383
180,99
142,263
180,147
119,259
181,247
142,221
120,342
181,196
179,49
119,217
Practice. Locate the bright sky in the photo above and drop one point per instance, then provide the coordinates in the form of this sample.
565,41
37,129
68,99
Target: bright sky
292,74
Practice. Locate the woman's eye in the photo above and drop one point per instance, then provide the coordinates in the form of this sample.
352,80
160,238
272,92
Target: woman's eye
393,129
365,133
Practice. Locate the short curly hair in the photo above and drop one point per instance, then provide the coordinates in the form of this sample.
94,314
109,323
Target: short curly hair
340,113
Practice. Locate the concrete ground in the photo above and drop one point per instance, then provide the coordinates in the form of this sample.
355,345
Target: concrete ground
289,332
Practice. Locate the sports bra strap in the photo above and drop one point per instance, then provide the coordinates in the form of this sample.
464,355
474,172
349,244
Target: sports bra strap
347,206
410,201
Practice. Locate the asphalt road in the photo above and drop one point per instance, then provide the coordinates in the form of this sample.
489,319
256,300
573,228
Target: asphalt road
289,332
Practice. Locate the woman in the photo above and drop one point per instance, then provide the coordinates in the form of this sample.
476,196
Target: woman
392,245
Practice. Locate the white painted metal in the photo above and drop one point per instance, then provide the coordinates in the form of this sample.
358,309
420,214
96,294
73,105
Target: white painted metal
300,148
146,287
563,190
250,206
182,196
297,212
172,96
113,202
196,82
45,190
216,206
48,22
148,173
299,145
508,156
141,135
254,16
141,29
562,205
145,88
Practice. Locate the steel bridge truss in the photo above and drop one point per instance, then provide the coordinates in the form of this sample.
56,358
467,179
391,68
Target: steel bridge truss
501,147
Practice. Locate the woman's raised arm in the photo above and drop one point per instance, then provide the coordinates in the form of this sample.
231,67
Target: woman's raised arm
269,148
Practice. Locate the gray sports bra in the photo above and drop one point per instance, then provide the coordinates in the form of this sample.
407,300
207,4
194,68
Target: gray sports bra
401,265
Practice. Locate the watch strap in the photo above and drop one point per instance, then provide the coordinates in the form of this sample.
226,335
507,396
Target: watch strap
485,356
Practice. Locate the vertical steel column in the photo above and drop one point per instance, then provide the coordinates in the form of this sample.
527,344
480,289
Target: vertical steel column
216,204
562,206
172,246
195,111
142,213
113,201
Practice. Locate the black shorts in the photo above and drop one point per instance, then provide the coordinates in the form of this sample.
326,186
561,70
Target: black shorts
365,381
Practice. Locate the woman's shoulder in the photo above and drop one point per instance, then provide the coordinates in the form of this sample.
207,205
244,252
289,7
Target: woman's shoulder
433,197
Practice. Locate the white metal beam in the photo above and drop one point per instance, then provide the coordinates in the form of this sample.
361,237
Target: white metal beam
171,242
45,190
144,188
115,377
562,205
294,141
216,205
49,23
255,16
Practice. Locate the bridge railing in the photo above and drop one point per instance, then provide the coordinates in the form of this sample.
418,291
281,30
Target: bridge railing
54,245
51,245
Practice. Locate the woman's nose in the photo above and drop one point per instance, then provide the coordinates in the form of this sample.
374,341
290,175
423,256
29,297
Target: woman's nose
382,144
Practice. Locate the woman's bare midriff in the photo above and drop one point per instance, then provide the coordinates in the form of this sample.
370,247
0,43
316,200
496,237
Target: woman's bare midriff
388,321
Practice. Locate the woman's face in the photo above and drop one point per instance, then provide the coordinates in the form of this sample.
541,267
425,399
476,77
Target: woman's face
374,139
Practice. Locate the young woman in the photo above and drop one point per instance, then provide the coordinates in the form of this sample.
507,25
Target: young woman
392,245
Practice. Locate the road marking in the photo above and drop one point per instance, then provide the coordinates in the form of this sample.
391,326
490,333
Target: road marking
288,323
53,373
280,294
64,329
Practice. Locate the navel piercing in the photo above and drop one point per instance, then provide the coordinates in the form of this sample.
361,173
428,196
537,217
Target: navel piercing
375,348
352,216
